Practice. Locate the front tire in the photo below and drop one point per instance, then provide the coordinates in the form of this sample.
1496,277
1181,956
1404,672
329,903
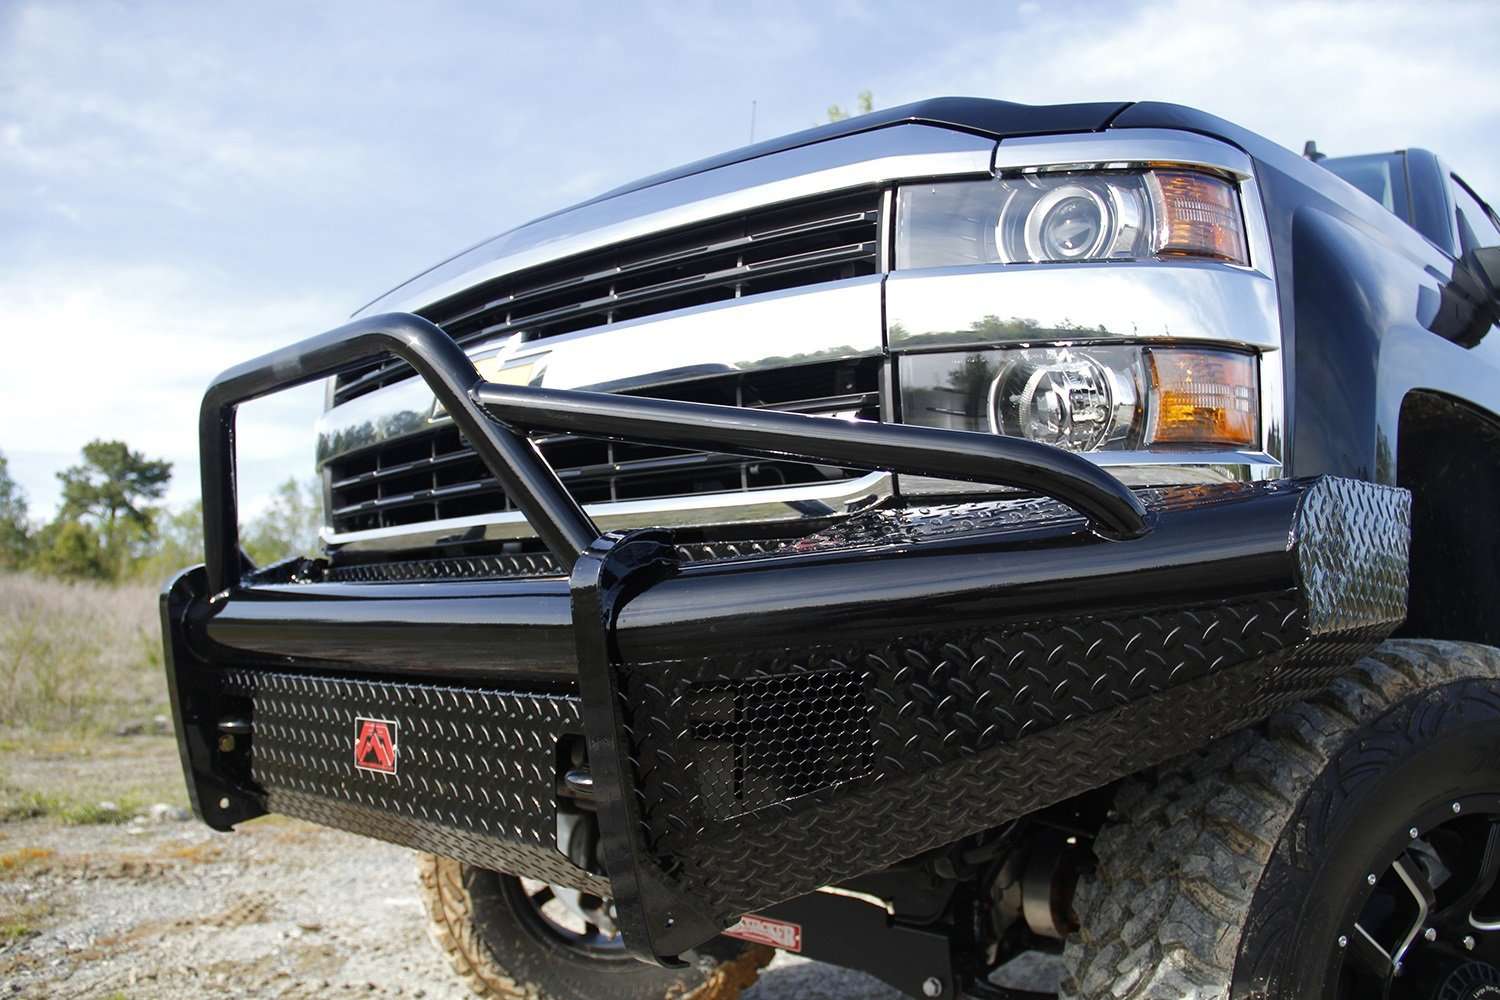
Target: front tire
486,925
1283,862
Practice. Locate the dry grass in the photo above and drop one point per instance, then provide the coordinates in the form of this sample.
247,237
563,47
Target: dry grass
21,920
29,803
15,860
78,657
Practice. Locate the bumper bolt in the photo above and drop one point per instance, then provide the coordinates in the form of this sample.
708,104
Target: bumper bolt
932,987
1430,934
1343,940
1370,879
226,743
1413,831
1457,807
1468,942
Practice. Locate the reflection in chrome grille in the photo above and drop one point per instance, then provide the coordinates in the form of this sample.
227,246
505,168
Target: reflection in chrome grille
434,475
802,243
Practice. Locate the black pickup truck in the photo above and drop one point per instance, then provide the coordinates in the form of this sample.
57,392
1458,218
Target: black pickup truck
958,531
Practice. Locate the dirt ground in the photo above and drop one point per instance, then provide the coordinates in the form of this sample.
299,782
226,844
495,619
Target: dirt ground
94,904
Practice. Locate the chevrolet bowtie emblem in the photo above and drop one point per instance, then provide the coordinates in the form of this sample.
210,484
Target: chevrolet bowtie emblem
501,368
496,369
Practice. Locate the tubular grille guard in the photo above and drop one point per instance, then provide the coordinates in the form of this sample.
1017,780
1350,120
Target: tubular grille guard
478,408
761,725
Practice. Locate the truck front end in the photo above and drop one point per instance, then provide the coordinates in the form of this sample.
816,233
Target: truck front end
769,523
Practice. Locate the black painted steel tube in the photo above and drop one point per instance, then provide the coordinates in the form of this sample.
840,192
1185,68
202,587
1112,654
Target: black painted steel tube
448,372
553,513
518,629
924,451
1217,551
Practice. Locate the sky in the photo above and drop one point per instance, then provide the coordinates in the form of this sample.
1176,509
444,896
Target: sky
184,186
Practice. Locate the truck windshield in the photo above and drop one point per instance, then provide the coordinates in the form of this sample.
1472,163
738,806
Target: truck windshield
1382,176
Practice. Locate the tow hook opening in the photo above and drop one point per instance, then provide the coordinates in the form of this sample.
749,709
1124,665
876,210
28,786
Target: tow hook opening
577,820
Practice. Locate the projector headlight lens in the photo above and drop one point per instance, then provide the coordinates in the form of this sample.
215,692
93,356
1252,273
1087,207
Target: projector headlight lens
1062,217
1070,222
1084,398
1057,398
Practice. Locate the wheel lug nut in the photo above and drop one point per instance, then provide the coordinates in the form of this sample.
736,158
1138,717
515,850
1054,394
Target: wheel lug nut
1430,934
1468,942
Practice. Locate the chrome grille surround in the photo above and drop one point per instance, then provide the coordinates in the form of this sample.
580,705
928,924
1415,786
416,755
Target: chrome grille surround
879,315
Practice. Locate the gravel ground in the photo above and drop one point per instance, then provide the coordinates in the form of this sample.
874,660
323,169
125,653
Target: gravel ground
168,909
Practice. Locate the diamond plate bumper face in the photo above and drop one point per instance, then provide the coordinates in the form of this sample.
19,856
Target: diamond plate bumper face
1352,554
761,725
759,773
475,769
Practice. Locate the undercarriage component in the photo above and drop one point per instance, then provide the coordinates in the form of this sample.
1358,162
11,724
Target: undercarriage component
1047,887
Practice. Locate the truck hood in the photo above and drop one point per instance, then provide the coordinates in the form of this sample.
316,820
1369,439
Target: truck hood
709,184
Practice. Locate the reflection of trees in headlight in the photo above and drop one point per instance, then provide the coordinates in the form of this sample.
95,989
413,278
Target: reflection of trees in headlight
1066,401
1089,397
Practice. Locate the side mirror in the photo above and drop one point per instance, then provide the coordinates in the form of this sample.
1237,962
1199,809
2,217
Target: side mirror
1467,307
1486,265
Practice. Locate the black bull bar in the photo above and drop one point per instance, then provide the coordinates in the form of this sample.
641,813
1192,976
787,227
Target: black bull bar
753,727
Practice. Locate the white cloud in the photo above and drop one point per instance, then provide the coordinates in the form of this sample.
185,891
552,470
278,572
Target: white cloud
1355,77
125,352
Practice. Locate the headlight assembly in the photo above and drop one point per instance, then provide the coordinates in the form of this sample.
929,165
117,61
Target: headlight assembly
1109,397
1063,217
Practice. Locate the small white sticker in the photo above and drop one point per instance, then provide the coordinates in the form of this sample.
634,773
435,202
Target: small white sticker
764,930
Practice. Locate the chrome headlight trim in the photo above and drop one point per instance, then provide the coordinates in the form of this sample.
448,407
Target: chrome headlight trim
1120,148
1130,301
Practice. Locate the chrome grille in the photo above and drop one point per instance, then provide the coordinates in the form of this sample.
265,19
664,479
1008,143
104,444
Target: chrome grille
434,475
801,243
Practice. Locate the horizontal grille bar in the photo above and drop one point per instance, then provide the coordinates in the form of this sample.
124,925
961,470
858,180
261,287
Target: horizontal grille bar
793,245
615,274
671,290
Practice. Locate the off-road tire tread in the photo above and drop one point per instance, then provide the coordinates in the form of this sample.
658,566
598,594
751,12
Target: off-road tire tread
451,926
1163,915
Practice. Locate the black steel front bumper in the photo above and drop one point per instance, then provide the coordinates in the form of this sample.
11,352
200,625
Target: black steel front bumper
755,726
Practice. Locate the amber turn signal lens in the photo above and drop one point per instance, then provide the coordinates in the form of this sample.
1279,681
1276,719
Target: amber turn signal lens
1197,216
1202,398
